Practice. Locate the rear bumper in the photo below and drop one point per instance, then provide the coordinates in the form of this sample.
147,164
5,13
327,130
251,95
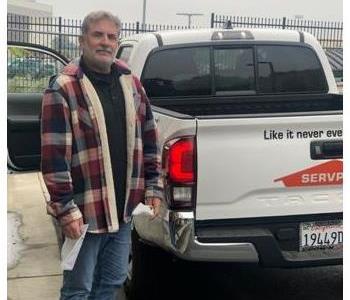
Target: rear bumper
253,243
185,244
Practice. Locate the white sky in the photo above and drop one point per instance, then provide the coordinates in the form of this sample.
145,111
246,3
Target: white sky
164,11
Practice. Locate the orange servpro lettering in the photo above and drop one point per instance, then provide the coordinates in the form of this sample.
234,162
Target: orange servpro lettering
329,173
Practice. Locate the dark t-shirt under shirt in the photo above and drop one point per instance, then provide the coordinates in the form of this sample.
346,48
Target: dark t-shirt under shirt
109,91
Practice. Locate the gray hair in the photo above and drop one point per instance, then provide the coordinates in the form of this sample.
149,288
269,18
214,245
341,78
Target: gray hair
97,16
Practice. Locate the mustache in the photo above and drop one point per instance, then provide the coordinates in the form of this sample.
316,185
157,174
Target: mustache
108,50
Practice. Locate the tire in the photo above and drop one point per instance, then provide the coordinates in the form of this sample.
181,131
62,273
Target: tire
148,271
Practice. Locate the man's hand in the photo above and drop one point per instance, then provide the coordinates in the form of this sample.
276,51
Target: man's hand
73,229
154,203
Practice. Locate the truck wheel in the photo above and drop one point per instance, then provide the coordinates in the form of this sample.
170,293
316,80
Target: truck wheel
148,271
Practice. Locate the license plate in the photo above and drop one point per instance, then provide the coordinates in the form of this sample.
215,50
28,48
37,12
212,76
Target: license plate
321,235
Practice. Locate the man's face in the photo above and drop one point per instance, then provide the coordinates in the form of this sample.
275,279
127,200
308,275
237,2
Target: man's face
99,45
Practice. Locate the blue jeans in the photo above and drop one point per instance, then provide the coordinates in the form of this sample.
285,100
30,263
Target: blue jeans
101,266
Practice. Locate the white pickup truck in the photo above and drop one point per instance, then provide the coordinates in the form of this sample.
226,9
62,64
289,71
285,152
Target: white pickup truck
250,124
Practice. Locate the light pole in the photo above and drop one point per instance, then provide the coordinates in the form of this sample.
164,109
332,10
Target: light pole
189,17
144,14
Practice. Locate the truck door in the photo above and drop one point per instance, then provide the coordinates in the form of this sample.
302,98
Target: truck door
29,68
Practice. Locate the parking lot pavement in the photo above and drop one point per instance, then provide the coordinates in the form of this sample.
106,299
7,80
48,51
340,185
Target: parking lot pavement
33,257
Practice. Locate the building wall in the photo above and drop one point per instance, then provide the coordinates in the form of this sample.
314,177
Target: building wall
29,8
21,11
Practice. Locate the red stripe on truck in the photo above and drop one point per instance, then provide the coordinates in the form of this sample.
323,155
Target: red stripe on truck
329,173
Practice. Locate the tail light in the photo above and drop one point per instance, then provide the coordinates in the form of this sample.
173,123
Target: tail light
179,164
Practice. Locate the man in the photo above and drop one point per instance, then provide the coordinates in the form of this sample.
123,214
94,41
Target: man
100,158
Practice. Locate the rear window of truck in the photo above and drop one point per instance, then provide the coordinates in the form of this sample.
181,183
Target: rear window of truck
178,72
285,69
233,71
206,70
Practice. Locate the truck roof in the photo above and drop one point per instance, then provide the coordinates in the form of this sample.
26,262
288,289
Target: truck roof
172,37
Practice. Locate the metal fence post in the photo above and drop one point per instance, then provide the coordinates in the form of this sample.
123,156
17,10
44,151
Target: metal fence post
212,20
59,34
284,23
137,27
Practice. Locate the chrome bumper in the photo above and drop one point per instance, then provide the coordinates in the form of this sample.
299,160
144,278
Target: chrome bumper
175,232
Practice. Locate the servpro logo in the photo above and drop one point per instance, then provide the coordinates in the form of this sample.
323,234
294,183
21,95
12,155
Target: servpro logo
329,173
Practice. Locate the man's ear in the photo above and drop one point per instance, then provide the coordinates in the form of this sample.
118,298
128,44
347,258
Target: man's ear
81,41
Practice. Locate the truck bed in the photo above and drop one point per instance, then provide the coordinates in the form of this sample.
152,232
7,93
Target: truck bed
232,105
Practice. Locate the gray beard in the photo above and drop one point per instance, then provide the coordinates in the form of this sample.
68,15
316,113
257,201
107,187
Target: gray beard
98,67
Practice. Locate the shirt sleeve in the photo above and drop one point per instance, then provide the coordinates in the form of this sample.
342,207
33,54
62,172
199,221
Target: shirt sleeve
56,154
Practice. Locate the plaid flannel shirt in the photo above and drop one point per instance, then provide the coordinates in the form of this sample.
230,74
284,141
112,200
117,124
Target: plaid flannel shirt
76,164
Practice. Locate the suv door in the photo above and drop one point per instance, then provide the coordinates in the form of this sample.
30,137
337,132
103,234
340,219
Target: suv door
29,69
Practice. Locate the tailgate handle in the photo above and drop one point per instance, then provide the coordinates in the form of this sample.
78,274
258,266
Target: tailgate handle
326,149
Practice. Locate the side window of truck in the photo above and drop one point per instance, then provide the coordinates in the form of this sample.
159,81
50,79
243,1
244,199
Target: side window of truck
178,72
29,71
289,69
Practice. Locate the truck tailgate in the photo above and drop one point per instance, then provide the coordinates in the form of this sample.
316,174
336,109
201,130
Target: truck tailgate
261,166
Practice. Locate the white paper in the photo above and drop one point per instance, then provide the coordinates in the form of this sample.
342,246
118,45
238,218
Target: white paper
142,209
70,250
